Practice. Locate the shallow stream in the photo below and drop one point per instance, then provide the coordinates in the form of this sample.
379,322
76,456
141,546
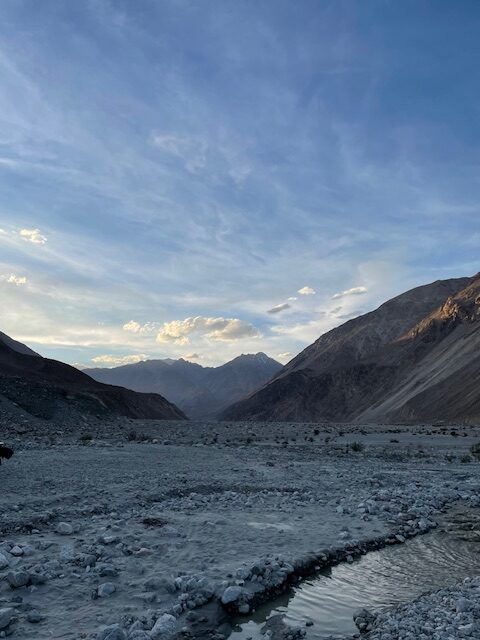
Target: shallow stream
377,580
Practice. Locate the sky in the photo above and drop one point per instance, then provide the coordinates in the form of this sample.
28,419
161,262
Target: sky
206,178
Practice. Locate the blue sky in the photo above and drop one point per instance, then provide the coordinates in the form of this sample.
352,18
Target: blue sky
173,173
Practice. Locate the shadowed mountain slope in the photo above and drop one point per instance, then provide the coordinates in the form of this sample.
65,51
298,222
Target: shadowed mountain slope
16,346
411,359
50,389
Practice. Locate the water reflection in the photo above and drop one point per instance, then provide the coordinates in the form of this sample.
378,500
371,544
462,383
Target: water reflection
393,575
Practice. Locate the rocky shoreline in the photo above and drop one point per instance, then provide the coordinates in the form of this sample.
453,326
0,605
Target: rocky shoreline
445,614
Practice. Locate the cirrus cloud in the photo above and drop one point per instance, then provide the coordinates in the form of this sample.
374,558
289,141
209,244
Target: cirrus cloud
221,329
354,291
191,150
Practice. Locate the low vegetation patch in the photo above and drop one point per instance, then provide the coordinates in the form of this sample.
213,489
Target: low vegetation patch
475,450
154,521
357,447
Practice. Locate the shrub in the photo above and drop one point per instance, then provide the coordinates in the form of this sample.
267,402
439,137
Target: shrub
357,446
475,450
420,453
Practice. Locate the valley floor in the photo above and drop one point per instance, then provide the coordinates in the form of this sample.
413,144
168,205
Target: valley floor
124,523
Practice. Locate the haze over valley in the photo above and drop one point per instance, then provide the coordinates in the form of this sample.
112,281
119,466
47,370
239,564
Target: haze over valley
202,392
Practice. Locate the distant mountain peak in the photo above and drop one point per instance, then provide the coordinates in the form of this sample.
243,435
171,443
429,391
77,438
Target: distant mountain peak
199,391
259,357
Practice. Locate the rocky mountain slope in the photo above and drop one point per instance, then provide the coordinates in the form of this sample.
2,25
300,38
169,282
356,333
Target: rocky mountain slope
16,346
199,391
50,389
414,358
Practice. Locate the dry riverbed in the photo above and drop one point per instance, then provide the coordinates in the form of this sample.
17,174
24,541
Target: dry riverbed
147,531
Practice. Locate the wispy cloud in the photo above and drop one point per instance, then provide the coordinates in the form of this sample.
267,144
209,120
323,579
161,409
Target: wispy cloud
349,316
191,150
279,308
354,291
109,360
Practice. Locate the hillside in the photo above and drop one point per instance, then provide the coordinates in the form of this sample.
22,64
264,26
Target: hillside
411,359
49,389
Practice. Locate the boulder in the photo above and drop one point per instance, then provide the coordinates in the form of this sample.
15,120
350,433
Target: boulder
164,627
6,616
113,632
17,579
106,589
231,594
64,529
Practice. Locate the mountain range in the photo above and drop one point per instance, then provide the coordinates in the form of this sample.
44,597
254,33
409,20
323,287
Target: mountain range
201,392
413,359
49,389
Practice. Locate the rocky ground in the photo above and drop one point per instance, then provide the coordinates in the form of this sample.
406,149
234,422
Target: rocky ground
151,530
442,615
